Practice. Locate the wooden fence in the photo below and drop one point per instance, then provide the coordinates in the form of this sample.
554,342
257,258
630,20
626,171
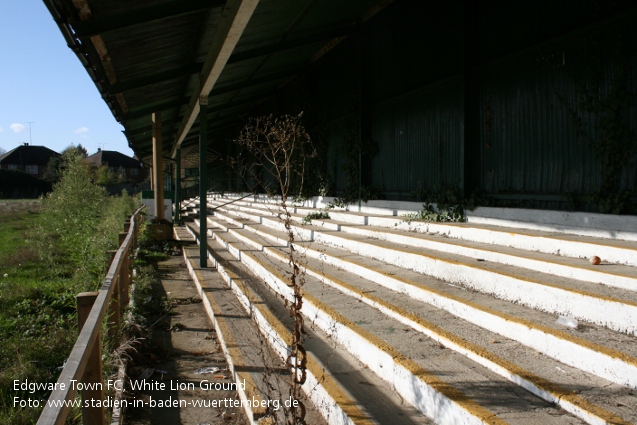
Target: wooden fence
83,369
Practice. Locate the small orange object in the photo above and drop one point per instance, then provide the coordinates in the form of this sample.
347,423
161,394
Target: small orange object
595,260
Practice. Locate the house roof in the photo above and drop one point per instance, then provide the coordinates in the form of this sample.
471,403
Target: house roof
164,56
113,159
28,155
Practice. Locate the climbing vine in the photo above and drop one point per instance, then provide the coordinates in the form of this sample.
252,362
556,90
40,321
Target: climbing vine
603,98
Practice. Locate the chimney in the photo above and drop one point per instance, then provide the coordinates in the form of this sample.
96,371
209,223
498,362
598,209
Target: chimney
26,144
99,149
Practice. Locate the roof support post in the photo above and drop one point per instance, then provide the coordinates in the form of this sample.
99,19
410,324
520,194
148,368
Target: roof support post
177,186
203,181
158,166
471,82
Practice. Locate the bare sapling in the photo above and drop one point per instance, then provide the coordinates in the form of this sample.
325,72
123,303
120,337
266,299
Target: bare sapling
281,147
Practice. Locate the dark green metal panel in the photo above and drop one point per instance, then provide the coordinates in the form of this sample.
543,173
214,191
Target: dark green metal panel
531,142
420,141
417,116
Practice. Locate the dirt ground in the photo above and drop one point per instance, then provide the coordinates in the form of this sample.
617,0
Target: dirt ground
182,343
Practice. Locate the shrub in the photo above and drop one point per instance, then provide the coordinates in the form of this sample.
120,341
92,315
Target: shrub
80,222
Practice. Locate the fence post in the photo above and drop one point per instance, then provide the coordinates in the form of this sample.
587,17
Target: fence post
91,415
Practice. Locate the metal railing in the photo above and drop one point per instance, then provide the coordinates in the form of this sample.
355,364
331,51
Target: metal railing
231,202
84,364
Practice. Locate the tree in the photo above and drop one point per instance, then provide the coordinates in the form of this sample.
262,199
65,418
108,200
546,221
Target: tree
280,146
56,165
53,169
2,151
73,211
105,176
81,150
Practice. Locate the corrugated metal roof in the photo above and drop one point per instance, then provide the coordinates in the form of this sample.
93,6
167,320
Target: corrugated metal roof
146,56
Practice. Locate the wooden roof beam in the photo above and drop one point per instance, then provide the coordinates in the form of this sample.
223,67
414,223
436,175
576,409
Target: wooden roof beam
235,17
182,71
157,107
255,81
292,44
96,26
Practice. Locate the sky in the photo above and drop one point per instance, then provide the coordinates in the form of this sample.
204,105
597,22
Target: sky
42,82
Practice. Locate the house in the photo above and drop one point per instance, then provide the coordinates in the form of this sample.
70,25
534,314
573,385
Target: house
130,168
29,159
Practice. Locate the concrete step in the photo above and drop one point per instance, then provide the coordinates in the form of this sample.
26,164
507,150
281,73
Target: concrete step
614,251
589,350
334,376
620,276
421,379
604,226
514,361
239,338
612,307
243,348
594,350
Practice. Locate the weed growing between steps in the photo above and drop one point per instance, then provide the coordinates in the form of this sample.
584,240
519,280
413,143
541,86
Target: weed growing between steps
279,148
452,214
323,214
145,305
318,215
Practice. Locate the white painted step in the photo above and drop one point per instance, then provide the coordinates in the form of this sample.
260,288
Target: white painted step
330,386
619,276
378,345
614,308
509,320
577,246
533,382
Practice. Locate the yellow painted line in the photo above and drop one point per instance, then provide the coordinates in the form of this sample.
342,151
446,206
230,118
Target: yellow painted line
457,242
348,405
333,388
555,389
421,373
474,227
510,275
390,231
543,384
518,233
531,325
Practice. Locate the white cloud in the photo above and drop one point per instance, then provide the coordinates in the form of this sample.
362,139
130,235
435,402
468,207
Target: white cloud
81,130
1,129
17,128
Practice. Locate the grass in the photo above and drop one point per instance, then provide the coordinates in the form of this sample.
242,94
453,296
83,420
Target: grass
37,314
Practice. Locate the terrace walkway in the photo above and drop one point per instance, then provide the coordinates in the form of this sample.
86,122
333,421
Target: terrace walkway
181,343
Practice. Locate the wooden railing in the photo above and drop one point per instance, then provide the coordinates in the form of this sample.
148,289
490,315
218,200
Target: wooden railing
83,369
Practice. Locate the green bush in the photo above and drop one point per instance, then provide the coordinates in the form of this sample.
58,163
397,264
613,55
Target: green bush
80,223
